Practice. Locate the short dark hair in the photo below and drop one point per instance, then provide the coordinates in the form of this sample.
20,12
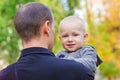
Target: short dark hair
29,19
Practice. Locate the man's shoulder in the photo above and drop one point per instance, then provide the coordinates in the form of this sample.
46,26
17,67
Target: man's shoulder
64,63
3,74
71,67
7,73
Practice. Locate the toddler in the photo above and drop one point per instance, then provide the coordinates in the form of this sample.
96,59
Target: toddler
72,35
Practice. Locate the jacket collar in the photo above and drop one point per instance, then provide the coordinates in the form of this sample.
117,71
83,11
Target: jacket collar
36,50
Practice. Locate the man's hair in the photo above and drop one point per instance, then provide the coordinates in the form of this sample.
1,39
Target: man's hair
30,18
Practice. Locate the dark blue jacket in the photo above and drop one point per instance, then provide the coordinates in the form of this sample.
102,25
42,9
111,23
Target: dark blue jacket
40,64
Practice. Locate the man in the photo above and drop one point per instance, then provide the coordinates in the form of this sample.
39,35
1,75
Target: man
34,24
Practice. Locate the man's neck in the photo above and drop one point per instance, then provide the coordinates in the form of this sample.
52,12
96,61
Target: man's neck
35,43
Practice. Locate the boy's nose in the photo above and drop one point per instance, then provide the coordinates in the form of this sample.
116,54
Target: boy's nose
70,38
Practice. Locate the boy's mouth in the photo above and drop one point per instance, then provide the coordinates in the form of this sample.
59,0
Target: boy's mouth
70,45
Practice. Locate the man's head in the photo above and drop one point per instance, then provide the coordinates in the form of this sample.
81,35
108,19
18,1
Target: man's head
32,21
72,33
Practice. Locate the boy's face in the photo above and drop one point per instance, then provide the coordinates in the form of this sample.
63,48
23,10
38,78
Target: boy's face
72,37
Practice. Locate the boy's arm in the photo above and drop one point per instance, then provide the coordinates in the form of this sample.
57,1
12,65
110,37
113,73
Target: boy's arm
89,58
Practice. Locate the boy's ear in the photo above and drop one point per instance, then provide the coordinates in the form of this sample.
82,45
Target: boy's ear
85,36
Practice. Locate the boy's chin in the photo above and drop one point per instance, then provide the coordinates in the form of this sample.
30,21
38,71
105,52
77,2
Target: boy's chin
70,51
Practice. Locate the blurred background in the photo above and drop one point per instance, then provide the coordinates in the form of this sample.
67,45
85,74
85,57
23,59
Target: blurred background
102,19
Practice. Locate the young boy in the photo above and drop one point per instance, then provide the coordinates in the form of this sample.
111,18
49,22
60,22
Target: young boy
73,35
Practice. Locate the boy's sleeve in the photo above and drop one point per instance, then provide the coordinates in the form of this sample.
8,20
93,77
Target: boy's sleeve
99,60
88,58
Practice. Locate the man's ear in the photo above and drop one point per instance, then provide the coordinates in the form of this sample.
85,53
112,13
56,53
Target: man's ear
85,36
46,27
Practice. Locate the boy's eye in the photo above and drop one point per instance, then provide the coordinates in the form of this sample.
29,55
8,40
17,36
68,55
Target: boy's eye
64,36
75,34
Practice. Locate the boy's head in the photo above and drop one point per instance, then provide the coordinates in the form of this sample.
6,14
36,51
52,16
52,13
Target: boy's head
72,33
